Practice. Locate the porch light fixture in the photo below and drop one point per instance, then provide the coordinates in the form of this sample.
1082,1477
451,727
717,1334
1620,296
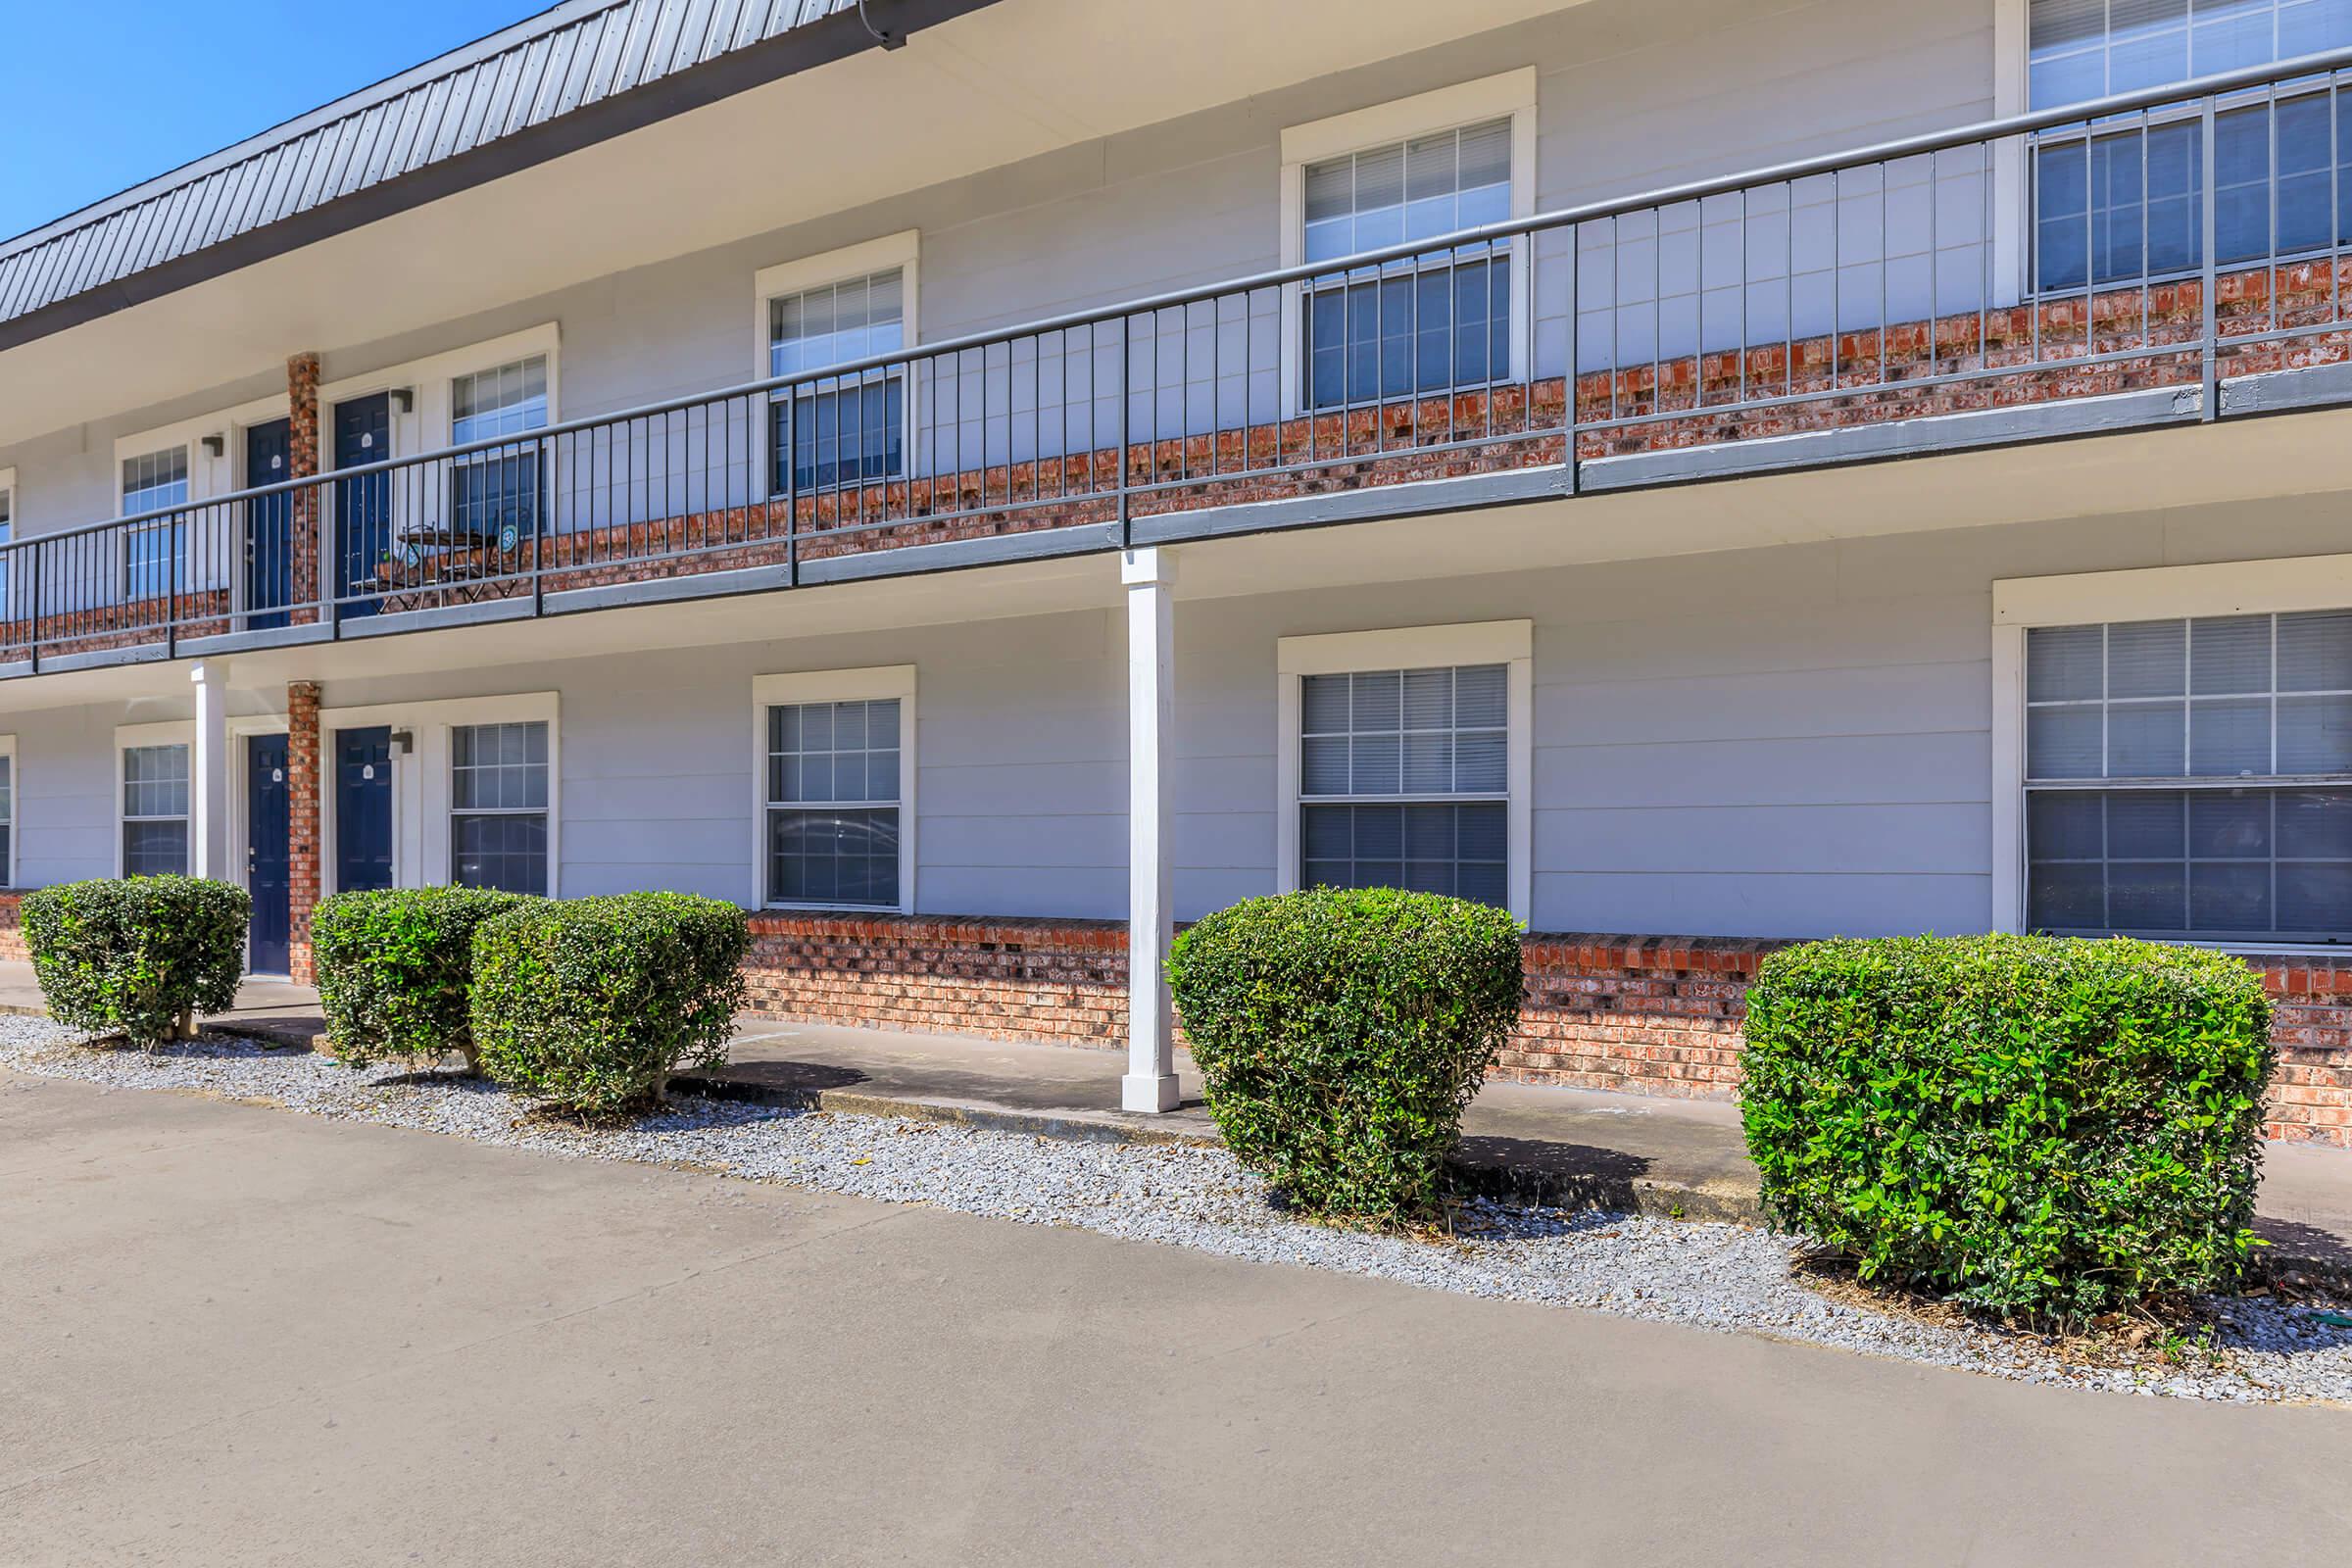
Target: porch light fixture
404,741
215,445
404,400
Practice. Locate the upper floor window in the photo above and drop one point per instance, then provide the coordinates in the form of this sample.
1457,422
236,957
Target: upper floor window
497,798
1423,324
850,430
496,494
2127,202
8,525
151,482
2191,777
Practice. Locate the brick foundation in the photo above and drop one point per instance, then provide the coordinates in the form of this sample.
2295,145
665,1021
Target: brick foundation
1656,1016
12,927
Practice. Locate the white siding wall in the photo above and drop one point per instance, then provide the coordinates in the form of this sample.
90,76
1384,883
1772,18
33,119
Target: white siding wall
1633,94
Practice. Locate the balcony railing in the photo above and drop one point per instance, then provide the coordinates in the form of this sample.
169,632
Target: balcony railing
1974,285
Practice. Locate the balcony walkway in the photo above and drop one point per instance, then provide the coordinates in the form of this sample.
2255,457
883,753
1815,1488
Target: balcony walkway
1576,1146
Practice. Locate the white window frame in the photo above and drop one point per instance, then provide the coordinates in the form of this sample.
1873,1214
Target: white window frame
2151,593
211,475
880,683
16,796
1508,642
430,383
1509,95
130,737
422,787
902,251
548,811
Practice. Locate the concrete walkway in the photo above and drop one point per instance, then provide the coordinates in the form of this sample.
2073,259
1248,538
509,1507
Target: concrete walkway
1563,1145
239,1337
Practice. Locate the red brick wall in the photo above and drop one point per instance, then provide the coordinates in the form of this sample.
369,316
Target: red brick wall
1058,980
302,822
1657,1015
302,461
12,928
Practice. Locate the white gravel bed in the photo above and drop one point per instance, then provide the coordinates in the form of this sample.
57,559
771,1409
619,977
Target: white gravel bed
1724,1277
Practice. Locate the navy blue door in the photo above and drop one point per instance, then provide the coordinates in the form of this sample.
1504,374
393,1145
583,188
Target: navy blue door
362,808
362,506
267,861
269,528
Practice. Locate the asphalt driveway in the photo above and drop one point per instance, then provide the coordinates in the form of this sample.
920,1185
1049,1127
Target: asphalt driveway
233,1335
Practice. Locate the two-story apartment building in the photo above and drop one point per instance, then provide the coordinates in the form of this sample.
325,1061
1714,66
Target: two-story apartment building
980,481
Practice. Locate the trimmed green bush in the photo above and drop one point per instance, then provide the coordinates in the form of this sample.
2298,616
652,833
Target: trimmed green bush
138,956
593,1004
396,969
1341,1032
2038,1126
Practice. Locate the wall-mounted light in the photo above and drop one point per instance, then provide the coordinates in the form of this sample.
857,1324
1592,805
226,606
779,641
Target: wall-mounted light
215,445
404,400
404,741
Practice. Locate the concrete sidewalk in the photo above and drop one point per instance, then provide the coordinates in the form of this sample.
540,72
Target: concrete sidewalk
1570,1147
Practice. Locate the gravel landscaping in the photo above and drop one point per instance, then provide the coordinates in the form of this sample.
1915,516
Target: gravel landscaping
1724,1277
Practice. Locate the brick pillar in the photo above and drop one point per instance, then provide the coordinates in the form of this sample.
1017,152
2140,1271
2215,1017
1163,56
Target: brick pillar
302,461
302,827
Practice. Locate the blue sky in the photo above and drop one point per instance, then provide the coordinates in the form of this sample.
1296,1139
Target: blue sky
102,96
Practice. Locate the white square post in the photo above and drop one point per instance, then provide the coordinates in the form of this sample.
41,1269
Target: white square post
1150,576
207,775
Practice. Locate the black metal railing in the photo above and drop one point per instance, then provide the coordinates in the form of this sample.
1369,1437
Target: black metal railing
2166,239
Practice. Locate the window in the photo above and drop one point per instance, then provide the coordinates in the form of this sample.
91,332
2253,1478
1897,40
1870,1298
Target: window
2191,777
2130,204
155,810
8,816
1420,324
150,483
496,494
834,780
1404,781
846,432
498,806
8,607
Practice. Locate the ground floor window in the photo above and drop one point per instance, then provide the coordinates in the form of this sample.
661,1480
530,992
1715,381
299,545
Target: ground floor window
155,810
1404,781
8,816
498,806
833,802
836,788
2190,777
1410,760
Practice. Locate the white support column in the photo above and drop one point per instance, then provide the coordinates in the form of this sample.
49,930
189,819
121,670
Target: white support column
207,775
1150,1081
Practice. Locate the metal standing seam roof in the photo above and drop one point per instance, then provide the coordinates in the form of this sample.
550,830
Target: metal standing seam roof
533,78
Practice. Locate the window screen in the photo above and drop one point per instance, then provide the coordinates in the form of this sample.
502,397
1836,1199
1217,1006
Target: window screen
496,494
2130,204
1440,321
843,433
833,802
151,482
498,806
155,810
2191,777
1404,781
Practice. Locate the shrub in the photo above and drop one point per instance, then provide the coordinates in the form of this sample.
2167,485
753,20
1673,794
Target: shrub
2041,1127
139,956
592,1003
396,968
1342,1033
